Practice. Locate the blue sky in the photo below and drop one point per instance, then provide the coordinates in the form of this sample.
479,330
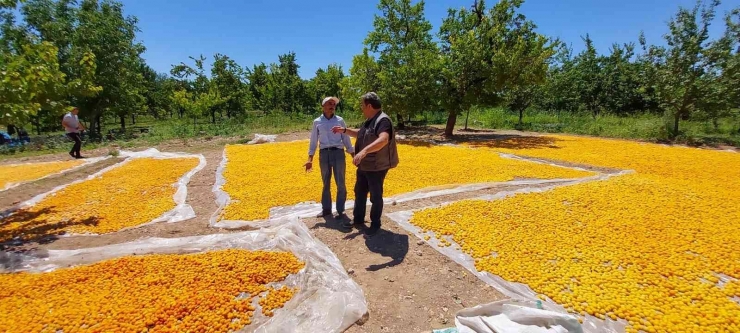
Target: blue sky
332,31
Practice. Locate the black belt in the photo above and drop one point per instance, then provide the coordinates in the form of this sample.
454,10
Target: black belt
331,148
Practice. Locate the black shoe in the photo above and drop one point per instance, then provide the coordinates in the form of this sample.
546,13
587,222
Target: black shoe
347,223
79,156
341,217
372,231
72,154
324,213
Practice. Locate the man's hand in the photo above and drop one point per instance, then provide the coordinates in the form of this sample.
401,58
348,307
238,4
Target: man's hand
337,129
308,165
358,158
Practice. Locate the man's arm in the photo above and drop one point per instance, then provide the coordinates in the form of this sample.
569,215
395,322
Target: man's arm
312,146
345,130
376,145
346,141
384,129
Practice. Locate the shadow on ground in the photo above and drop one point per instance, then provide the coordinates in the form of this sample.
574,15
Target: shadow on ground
330,222
387,244
426,136
30,226
506,141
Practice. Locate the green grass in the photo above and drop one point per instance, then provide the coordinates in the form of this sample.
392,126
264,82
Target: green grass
643,127
174,129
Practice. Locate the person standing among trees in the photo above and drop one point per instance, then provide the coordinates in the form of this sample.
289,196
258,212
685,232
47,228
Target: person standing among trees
331,155
375,154
72,127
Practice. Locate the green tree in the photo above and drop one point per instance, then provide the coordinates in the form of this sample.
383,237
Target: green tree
589,78
677,70
228,78
327,83
521,56
407,58
259,88
198,104
720,85
286,86
31,76
159,89
99,28
491,56
363,77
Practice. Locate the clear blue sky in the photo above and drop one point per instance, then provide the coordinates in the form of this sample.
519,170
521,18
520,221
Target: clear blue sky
332,31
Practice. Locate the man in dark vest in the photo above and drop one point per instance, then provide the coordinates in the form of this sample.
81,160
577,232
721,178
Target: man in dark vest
375,154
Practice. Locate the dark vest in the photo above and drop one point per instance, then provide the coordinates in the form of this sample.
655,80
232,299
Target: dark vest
383,159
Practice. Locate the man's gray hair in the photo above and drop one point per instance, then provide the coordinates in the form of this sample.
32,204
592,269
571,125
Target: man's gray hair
371,98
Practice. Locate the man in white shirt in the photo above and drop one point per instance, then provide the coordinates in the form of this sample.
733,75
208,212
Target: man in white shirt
72,127
331,155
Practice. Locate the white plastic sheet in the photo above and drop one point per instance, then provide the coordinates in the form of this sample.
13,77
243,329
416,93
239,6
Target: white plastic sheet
514,316
262,138
86,162
328,300
310,209
513,290
182,210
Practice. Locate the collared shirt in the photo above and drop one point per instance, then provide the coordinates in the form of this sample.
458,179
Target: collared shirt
321,134
71,123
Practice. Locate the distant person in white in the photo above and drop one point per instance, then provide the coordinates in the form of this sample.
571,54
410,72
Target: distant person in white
331,155
72,127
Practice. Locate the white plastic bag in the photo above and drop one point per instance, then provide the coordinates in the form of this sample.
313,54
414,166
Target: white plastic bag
328,300
262,138
513,316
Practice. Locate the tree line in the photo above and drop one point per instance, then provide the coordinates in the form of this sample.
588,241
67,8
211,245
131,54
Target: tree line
85,53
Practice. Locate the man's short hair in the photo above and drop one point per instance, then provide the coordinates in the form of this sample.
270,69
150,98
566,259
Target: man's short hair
371,98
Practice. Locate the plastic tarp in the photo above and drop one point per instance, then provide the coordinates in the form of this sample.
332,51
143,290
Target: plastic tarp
514,316
309,209
513,290
328,300
262,138
86,162
182,210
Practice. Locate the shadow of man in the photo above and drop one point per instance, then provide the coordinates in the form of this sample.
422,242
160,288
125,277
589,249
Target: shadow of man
387,244
332,223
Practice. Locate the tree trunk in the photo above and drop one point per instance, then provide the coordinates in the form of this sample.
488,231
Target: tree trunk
133,119
194,125
123,122
715,122
521,116
38,124
96,126
676,119
399,119
451,120
467,115
213,117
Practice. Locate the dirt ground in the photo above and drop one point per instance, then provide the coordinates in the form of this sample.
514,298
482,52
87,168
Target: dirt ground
409,286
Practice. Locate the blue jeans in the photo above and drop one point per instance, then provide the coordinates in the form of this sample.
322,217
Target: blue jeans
333,161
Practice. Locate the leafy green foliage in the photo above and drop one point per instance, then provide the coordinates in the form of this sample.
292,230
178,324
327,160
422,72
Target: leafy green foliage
407,58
